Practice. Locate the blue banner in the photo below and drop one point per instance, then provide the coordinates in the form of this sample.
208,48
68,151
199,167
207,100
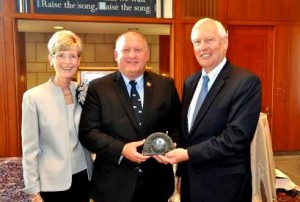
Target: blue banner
128,8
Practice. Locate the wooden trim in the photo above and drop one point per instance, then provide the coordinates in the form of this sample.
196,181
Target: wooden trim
89,18
264,23
164,55
3,103
11,98
176,49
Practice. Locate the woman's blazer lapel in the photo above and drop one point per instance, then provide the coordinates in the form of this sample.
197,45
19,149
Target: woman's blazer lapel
77,106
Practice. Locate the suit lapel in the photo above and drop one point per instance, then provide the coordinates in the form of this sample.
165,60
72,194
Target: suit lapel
188,96
148,94
121,91
190,92
213,92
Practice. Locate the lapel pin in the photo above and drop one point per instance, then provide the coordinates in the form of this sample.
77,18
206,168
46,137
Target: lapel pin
148,84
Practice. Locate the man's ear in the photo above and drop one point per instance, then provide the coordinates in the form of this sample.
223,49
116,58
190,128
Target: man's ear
115,55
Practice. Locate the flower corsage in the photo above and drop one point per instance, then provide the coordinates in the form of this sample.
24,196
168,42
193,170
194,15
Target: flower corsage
81,91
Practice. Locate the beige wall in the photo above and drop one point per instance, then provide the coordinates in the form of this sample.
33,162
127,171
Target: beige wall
97,52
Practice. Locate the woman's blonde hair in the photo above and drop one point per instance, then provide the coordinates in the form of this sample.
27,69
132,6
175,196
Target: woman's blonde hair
63,41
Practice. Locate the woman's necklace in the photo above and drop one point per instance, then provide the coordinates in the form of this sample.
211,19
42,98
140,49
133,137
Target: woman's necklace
66,91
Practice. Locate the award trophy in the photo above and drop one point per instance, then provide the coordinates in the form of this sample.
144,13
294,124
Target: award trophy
157,143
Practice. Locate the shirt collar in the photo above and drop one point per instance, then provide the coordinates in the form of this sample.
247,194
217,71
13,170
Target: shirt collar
215,72
138,80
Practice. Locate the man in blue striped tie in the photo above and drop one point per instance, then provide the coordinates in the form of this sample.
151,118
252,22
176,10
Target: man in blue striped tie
214,164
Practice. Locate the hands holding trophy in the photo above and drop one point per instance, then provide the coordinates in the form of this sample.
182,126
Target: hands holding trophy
157,144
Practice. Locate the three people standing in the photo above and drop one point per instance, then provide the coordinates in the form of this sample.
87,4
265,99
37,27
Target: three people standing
214,158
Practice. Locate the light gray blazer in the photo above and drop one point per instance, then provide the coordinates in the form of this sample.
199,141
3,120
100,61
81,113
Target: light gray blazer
45,141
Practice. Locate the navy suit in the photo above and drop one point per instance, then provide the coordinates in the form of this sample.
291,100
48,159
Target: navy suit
108,122
219,141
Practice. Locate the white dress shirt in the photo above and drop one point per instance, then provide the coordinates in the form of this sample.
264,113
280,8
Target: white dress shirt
212,77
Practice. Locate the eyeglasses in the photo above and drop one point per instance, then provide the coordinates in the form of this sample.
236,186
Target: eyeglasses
63,57
135,50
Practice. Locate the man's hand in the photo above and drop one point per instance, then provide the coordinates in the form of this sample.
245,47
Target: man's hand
173,157
130,152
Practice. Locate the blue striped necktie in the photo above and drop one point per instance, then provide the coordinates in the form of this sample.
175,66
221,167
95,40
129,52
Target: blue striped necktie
136,102
201,97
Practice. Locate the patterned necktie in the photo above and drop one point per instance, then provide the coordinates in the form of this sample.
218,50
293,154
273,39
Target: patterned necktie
201,97
136,102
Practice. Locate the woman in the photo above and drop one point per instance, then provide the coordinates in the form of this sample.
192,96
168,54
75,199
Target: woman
56,167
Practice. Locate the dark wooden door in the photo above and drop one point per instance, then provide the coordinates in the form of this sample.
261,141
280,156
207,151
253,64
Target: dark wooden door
251,47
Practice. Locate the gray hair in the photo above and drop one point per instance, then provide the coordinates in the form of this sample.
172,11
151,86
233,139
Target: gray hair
220,28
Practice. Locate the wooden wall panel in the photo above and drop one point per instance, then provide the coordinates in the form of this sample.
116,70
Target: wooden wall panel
12,82
164,55
281,65
10,141
294,90
192,9
267,10
21,85
3,144
251,47
176,48
293,11
190,64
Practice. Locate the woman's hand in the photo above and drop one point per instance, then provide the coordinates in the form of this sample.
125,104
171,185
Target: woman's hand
36,198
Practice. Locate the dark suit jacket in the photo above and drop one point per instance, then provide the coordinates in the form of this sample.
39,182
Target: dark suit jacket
219,141
108,123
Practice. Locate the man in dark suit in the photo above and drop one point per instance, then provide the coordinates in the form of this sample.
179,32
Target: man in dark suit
214,163
110,128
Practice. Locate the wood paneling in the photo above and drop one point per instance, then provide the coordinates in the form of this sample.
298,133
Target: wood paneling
278,66
12,82
190,64
176,47
284,17
10,103
2,94
164,54
251,47
294,90
266,10
281,65
198,8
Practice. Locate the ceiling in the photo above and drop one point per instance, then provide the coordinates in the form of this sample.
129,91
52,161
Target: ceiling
92,27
